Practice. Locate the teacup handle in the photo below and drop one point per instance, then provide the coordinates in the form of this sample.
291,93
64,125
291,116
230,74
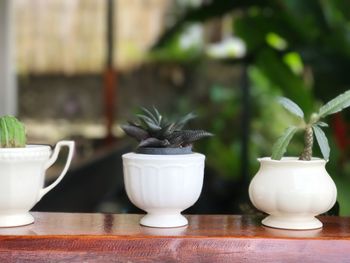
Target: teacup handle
52,160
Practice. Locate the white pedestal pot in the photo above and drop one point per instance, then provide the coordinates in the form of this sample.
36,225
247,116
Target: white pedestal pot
292,192
163,185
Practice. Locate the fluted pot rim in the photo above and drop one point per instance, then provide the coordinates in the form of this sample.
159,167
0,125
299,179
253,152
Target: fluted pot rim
27,153
140,156
27,148
292,160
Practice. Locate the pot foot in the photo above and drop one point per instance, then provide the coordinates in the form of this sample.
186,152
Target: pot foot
293,223
16,220
163,221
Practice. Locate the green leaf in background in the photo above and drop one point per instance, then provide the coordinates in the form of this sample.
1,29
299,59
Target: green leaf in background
294,62
322,141
280,147
276,41
280,75
335,105
291,106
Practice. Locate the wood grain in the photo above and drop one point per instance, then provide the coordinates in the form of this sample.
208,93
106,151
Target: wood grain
61,237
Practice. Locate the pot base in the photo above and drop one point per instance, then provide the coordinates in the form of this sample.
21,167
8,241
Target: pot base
163,221
293,223
16,220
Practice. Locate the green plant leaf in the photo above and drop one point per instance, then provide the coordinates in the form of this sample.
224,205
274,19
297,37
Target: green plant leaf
335,105
149,122
12,132
135,132
322,141
321,124
183,121
291,107
168,129
153,142
187,136
150,115
159,116
280,147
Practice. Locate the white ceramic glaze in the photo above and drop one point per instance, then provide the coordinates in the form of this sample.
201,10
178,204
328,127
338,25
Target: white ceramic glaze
22,172
292,192
163,185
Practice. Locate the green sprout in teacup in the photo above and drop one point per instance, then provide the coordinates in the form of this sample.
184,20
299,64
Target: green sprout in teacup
12,133
310,127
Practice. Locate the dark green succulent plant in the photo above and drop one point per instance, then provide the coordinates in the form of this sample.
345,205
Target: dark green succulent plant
152,130
12,133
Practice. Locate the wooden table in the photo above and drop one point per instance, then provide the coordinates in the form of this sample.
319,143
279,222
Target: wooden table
60,237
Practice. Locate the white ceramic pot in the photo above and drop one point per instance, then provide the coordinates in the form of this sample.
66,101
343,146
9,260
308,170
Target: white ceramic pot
292,192
22,172
163,185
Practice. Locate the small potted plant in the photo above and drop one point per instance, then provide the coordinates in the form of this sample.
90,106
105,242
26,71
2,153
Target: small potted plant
163,177
22,171
294,190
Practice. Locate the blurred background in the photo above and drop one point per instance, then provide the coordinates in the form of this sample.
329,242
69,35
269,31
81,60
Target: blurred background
77,69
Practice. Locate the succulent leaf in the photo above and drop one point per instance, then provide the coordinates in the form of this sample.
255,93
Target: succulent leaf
322,141
187,136
12,132
150,115
335,105
149,123
177,142
156,131
321,124
134,123
184,120
291,106
168,129
159,116
153,142
280,147
135,132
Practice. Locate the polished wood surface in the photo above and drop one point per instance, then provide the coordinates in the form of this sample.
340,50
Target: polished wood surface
63,237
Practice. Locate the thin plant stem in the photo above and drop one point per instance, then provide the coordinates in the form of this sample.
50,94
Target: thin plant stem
306,155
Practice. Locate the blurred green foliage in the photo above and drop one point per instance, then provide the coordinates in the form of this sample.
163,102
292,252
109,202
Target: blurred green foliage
296,48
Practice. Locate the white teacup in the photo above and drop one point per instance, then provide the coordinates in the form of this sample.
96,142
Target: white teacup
22,174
